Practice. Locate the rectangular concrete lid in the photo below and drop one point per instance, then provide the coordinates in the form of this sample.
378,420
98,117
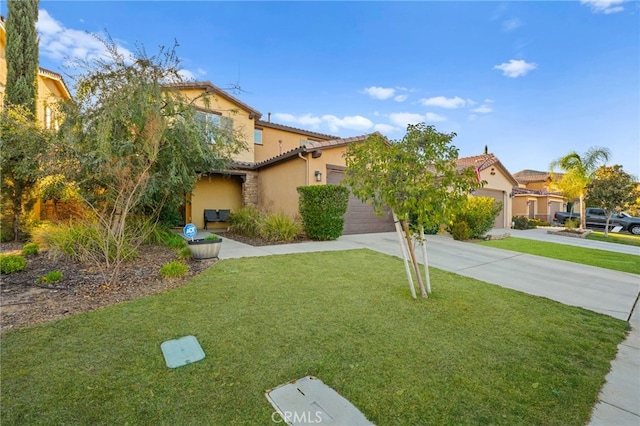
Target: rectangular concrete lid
182,351
309,401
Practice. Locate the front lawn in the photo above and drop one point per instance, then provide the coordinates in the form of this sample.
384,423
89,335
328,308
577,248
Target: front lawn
587,256
473,353
627,239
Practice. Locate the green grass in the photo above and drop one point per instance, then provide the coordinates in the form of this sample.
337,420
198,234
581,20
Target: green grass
587,256
627,239
474,353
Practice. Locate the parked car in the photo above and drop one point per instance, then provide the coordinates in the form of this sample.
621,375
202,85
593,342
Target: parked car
596,218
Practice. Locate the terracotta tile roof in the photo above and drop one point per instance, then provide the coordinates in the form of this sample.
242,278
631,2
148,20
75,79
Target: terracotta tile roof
212,88
483,162
479,162
527,176
527,191
261,123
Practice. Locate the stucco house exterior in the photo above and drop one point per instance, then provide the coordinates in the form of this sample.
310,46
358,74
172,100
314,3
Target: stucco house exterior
536,197
51,86
277,160
499,184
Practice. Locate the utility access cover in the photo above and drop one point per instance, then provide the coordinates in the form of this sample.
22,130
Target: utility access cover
308,401
182,351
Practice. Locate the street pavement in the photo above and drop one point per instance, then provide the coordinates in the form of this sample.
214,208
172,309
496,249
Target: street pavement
605,291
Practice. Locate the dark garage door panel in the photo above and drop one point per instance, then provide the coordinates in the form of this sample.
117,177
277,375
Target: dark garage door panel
360,218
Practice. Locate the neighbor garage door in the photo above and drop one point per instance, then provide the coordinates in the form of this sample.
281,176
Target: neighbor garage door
498,196
360,218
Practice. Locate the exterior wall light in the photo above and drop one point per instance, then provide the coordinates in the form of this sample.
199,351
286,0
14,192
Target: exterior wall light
318,175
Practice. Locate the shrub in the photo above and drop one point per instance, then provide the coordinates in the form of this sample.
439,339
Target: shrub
212,237
571,224
174,269
279,227
81,242
460,231
322,208
51,277
30,249
184,252
522,222
245,221
10,263
479,214
537,222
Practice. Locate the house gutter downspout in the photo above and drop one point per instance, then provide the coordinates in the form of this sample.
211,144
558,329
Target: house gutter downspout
306,160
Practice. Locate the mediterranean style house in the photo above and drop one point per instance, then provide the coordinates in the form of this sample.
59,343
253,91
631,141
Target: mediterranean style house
277,160
536,197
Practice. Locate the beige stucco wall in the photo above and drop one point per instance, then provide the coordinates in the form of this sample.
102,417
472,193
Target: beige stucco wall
214,192
278,183
500,181
276,142
278,193
241,121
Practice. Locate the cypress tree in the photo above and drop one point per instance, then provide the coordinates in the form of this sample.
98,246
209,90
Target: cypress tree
22,54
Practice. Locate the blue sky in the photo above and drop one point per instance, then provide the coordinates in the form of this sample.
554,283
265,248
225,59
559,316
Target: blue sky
531,80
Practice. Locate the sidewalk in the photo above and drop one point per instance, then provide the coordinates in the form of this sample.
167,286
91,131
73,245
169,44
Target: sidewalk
608,292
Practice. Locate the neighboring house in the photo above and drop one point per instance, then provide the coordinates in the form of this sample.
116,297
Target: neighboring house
536,197
51,87
51,90
499,184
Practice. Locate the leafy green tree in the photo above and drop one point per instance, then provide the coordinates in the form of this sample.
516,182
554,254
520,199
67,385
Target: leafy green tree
579,170
417,177
612,189
132,142
22,54
22,145
21,139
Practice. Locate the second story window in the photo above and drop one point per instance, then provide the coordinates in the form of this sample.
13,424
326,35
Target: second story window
216,127
257,136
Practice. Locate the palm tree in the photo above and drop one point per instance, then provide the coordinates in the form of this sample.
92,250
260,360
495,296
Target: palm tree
579,171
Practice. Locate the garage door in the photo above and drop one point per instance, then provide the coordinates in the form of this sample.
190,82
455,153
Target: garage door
498,196
360,218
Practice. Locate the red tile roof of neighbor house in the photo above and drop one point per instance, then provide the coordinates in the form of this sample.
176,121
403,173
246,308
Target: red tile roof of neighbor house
261,123
483,162
527,176
209,87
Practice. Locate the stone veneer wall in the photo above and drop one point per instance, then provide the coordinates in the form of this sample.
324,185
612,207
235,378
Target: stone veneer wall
250,194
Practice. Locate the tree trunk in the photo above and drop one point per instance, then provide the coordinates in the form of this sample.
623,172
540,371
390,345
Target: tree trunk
414,260
426,261
606,226
583,218
404,255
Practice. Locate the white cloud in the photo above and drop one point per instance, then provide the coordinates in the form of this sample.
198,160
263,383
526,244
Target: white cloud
442,102
402,119
187,75
516,68
472,117
355,122
379,92
65,44
385,128
401,98
307,120
483,109
604,6
511,24
433,117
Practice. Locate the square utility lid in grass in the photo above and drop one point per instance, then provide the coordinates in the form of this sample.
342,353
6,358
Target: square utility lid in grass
182,351
309,401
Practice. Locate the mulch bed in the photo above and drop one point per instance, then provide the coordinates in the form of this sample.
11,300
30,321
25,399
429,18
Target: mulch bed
25,302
